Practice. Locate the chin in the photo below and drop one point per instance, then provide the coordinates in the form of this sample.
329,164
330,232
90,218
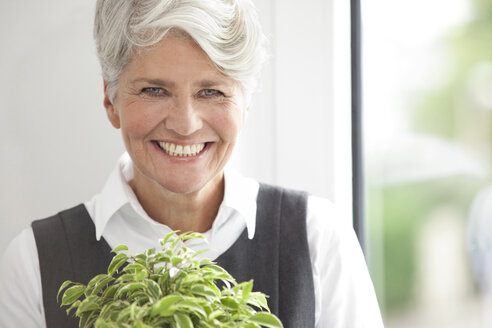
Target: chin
183,188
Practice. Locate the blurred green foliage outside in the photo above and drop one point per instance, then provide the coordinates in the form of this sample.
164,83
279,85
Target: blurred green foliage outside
449,112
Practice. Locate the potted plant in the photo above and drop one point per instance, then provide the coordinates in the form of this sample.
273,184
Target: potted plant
169,287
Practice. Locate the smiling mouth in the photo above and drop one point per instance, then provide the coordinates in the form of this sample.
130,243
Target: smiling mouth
181,150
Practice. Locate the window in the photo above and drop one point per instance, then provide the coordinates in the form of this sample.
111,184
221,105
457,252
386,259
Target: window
427,114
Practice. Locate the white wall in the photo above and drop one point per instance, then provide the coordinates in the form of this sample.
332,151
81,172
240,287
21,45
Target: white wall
58,147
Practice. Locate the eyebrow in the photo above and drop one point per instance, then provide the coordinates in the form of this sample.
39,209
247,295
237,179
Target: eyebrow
158,82
212,83
206,83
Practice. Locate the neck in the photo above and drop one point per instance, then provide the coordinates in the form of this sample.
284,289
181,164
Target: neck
195,211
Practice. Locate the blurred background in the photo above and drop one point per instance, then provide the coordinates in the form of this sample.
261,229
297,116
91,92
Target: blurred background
427,111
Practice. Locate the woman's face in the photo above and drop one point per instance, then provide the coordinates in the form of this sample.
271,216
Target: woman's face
179,116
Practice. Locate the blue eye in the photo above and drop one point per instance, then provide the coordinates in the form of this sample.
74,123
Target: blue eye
211,93
153,91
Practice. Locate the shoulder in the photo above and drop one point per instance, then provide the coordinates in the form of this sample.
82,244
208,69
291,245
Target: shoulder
332,239
279,189
21,254
321,211
20,249
324,224
327,230
269,192
73,218
323,218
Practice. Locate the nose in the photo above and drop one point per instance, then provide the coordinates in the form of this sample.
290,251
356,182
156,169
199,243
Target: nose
183,117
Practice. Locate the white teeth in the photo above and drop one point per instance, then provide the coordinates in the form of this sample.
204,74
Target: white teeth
186,150
180,150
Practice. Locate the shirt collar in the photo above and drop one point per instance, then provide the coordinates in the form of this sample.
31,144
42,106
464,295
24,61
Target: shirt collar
115,194
239,195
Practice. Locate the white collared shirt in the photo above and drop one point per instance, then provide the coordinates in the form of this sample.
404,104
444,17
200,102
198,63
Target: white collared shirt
344,295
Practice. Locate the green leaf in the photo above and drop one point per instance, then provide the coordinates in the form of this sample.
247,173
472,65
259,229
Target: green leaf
140,324
140,276
157,271
117,262
131,287
230,303
215,289
258,299
134,268
141,258
102,284
120,248
174,242
165,306
125,314
192,235
266,320
195,254
251,325
161,258
74,305
72,294
139,298
110,292
96,279
86,320
175,260
89,304
63,286
154,289
164,280
203,290
216,272
126,277
183,321
192,306
192,278
100,323
215,314
204,262
214,268
170,236
247,287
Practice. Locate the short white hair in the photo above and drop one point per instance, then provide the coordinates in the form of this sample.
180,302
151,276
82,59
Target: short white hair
228,31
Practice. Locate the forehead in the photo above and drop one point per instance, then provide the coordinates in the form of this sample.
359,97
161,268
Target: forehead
177,58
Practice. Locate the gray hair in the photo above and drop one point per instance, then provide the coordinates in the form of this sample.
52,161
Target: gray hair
228,31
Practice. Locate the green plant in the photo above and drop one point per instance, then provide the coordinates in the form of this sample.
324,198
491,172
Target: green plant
166,288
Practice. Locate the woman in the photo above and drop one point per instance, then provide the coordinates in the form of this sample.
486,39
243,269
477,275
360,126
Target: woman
178,80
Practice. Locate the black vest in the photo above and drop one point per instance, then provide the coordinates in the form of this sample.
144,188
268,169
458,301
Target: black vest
277,258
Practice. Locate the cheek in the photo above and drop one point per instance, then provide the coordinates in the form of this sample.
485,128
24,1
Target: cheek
229,125
138,120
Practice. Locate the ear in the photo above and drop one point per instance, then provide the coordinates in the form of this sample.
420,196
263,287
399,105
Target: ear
111,111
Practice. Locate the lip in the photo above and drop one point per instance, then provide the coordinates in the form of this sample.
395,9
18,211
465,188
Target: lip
184,159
